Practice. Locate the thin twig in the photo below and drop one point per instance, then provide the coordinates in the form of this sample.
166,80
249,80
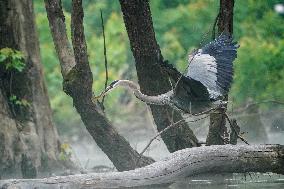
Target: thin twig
214,26
182,74
165,129
105,54
174,124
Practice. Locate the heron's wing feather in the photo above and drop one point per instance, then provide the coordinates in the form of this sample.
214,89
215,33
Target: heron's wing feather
185,88
213,65
203,68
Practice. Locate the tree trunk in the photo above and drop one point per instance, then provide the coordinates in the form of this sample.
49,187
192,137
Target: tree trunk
146,51
217,128
185,163
78,82
29,140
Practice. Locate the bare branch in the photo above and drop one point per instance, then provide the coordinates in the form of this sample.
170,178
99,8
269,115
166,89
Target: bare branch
105,54
176,124
167,128
214,26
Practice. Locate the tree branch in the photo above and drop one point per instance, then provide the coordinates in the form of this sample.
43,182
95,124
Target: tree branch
77,33
167,128
105,53
58,30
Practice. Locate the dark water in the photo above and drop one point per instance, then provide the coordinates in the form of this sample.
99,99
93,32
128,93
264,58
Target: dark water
233,181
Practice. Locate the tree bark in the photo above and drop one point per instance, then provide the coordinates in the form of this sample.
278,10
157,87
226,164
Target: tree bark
217,128
29,140
78,84
226,17
181,164
147,54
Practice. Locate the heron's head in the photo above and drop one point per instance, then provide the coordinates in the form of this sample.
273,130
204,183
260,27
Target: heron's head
108,89
123,83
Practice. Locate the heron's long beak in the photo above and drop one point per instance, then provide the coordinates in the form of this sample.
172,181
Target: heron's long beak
103,93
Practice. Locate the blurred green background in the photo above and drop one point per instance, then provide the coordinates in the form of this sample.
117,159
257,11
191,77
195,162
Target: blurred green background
180,26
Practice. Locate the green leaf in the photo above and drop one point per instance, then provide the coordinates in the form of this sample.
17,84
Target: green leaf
18,65
2,58
25,103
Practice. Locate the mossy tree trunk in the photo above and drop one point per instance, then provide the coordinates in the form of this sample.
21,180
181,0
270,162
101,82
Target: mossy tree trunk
29,143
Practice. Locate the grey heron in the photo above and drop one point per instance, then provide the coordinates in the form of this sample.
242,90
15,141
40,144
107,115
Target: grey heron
208,79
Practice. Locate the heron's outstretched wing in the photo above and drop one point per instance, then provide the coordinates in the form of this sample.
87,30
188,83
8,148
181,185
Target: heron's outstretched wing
212,65
189,95
185,88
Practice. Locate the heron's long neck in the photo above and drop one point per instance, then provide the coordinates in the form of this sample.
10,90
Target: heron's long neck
162,99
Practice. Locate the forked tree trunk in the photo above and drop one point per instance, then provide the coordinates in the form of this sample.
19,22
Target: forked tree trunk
29,143
78,82
147,54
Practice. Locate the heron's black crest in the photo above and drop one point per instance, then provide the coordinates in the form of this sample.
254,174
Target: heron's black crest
112,83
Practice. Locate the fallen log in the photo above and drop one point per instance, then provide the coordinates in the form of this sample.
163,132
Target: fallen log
181,164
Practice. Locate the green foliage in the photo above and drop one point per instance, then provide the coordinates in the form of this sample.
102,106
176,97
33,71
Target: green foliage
259,74
12,59
180,26
20,102
259,69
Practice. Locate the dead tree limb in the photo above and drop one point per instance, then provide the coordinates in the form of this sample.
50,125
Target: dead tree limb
78,82
181,164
